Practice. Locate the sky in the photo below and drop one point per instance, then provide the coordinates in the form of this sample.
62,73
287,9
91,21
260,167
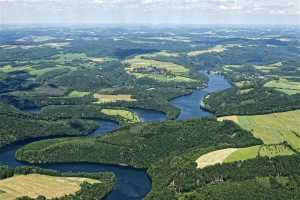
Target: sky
150,12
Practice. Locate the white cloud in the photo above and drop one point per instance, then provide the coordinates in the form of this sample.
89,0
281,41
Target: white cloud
164,10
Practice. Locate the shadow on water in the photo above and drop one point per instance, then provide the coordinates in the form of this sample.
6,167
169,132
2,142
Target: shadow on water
132,184
147,115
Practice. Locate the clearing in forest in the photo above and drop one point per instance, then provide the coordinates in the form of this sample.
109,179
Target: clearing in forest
280,133
268,68
141,67
214,157
215,49
284,85
33,185
110,98
126,115
272,128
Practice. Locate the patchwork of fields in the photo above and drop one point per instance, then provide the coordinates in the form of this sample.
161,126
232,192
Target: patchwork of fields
284,85
280,133
141,67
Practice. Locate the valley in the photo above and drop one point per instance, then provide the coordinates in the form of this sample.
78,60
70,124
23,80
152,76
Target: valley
162,114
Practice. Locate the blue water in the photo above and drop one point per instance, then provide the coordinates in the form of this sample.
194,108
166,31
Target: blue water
150,115
132,184
190,104
105,126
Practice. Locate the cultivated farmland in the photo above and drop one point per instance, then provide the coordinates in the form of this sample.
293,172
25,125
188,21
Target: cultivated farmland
34,185
108,98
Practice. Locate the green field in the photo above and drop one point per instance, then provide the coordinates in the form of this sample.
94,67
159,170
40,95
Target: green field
243,154
284,85
110,98
260,150
215,49
274,128
128,116
157,70
275,150
76,93
268,68
162,54
277,130
31,70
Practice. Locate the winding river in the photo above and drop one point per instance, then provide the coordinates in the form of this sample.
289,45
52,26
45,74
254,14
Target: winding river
132,184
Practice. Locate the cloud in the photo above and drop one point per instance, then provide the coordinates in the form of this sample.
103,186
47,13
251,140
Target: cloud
150,10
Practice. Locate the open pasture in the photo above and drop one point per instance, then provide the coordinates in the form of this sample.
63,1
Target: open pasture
268,68
126,115
273,128
243,154
214,157
76,93
141,67
34,185
284,85
110,98
215,49
139,62
162,54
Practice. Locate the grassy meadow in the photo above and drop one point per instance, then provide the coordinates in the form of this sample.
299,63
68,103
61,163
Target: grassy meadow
284,85
279,132
215,49
126,115
76,93
109,98
141,67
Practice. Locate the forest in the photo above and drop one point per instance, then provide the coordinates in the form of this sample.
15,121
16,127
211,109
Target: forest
58,84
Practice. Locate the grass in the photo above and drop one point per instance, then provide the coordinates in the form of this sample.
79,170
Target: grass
109,98
243,154
9,69
275,150
274,128
215,49
268,68
69,57
126,115
162,53
140,62
30,69
43,90
141,67
34,185
42,38
163,78
284,85
263,150
172,39
76,93
37,38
